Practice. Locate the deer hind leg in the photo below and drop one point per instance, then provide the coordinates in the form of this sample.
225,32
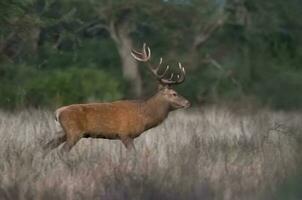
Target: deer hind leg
71,140
54,143
73,133
67,146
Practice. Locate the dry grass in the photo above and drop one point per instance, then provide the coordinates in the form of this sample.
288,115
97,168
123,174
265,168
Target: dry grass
209,154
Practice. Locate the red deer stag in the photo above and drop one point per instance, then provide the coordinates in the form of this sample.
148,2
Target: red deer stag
125,119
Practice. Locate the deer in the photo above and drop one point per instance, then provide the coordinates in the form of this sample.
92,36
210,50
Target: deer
122,120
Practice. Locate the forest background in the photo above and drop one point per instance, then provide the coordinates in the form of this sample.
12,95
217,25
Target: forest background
55,52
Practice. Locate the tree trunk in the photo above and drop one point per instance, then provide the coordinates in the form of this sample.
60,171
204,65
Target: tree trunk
124,45
33,39
202,36
129,65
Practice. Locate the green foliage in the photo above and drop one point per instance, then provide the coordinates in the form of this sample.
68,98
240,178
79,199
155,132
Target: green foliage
92,53
47,47
280,89
57,87
10,9
291,189
72,86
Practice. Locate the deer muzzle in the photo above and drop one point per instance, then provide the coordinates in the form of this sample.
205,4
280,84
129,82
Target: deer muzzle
187,104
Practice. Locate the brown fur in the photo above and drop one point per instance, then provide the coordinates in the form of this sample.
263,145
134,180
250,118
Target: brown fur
124,120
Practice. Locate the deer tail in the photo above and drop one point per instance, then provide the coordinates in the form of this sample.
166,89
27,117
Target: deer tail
57,116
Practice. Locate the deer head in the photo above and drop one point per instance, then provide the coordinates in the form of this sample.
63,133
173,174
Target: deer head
165,80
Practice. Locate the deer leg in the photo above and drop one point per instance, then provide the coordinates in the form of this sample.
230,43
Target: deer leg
131,159
128,143
70,142
55,142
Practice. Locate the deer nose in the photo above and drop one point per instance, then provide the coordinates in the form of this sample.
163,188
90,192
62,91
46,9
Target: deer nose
187,104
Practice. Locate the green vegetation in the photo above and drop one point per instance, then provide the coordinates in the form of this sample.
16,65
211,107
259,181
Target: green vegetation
58,52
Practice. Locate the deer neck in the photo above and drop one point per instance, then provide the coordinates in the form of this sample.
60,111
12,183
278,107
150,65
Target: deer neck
155,110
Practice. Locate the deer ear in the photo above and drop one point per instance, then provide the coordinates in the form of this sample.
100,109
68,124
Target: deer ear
162,86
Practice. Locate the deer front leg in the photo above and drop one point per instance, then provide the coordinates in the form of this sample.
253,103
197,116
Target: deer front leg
128,143
131,158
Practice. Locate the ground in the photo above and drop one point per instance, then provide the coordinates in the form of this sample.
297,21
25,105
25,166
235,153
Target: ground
208,153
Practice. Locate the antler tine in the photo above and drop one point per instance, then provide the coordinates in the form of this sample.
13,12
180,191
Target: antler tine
156,70
165,72
143,55
147,53
180,77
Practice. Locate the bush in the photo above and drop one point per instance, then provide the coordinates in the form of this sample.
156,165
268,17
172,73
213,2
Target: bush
36,88
72,86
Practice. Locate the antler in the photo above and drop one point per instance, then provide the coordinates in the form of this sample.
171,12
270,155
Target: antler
145,55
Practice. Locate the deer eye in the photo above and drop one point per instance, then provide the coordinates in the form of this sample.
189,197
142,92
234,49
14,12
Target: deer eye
174,94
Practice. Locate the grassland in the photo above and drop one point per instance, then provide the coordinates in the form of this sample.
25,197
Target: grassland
209,153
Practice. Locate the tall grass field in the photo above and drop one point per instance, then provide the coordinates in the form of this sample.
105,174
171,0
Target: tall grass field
208,153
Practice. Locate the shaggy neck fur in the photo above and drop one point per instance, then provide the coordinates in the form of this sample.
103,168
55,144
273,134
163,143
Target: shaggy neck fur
155,110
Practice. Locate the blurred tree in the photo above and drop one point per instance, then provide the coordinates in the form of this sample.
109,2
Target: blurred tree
10,14
231,48
120,19
183,23
267,36
23,22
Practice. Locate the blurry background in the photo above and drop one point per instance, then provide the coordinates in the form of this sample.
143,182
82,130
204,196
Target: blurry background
242,54
55,52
